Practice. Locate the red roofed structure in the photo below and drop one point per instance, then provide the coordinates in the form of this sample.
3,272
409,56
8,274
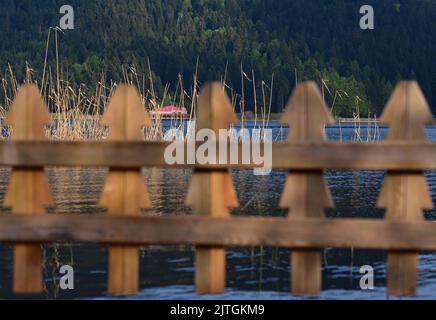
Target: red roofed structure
170,112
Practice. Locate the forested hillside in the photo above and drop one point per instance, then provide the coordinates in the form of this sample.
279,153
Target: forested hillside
313,39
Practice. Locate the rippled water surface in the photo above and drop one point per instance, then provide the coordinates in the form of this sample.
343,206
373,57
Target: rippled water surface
167,272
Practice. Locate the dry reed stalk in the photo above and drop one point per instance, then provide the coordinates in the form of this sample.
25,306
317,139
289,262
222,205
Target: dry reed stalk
76,112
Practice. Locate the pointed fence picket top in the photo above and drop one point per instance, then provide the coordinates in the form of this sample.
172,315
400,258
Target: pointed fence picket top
211,192
124,192
405,195
28,191
306,194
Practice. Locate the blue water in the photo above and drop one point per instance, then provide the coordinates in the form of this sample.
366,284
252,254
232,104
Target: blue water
167,272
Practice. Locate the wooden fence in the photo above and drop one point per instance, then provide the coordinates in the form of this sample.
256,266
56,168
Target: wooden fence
403,231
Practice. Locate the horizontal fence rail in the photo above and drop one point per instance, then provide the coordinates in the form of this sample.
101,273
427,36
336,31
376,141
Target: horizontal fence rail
235,231
285,155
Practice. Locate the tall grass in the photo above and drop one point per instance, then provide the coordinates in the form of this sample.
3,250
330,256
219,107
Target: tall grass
76,111
372,123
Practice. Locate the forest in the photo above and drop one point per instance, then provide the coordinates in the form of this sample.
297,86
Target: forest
273,43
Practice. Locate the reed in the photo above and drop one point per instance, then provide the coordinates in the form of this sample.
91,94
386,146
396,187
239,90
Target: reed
76,111
372,123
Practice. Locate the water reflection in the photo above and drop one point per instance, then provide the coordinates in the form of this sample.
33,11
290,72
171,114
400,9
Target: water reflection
257,272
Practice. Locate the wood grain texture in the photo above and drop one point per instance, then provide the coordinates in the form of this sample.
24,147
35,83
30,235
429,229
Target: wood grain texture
306,277
402,273
391,155
405,236
124,191
211,192
28,191
306,193
405,195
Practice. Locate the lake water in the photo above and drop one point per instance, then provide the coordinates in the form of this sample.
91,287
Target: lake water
167,272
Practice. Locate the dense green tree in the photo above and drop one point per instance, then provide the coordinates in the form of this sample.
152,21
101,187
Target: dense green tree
307,39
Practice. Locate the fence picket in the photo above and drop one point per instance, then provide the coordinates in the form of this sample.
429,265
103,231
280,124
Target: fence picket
211,192
124,192
405,195
306,193
28,191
